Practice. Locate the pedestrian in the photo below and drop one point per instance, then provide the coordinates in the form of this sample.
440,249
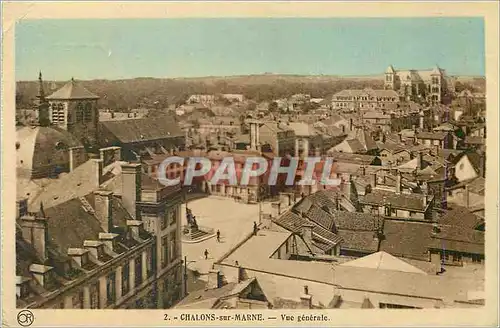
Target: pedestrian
218,236
206,254
255,228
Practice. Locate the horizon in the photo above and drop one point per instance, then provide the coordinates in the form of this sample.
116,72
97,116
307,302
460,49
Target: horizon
106,49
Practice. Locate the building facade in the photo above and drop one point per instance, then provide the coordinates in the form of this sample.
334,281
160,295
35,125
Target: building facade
417,85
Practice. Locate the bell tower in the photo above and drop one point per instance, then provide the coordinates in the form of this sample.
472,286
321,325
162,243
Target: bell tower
390,78
74,108
436,85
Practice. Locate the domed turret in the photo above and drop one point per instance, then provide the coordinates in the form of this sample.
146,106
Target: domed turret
44,151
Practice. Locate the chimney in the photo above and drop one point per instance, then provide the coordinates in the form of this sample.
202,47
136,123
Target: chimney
466,196
420,161
22,286
98,168
103,208
76,157
131,188
482,165
214,279
21,207
133,228
42,274
110,154
306,299
276,209
79,255
35,232
374,180
95,247
424,201
109,240
398,183
307,233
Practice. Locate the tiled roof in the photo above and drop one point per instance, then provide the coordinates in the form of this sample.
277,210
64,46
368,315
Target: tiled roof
294,222
361,241
459,239
72,90
432,135
407,239
461,217
213,294
413,202
139,130
351,158
38,147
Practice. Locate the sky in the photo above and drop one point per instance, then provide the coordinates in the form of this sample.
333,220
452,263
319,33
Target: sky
128,48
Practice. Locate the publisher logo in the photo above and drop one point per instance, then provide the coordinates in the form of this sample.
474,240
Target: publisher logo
25,318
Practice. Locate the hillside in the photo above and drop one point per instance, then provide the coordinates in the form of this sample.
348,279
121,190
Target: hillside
155,92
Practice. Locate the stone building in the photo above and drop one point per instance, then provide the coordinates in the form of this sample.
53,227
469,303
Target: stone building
74,108
417,85
117,246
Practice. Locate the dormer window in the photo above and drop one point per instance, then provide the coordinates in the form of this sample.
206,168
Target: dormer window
61,145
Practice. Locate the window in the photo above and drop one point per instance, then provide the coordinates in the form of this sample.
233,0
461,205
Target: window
78,300
58,115
172,216
94,296
125,278
111,288
164,246
457,258
476,258
138,271
164,221
79,112
87,114
173,246
61,146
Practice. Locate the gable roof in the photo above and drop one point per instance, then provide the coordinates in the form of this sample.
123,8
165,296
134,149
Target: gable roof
144,129
72,91
383,261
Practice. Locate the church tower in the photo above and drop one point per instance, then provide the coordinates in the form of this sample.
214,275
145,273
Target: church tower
390,78
436,85
43,105
74,108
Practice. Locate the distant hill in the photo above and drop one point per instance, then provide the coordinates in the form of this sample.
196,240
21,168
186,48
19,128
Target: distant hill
157,92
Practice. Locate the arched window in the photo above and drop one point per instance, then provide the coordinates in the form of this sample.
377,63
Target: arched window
79,112
88,113
58,115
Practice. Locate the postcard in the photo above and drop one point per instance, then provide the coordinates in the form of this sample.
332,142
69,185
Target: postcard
249,163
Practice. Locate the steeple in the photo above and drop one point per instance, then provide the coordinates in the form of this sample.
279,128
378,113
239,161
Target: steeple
41,92
43,106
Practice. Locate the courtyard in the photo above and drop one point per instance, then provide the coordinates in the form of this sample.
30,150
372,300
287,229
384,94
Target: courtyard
234,220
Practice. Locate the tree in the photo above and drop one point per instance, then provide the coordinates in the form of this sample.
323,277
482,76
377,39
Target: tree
273,106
